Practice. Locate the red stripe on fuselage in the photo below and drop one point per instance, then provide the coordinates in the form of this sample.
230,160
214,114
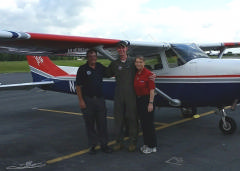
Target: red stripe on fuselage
200,76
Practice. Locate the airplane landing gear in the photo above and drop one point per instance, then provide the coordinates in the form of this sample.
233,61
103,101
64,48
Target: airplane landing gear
227,125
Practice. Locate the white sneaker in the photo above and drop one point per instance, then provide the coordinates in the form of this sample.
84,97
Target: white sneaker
148,150
154,149
143,147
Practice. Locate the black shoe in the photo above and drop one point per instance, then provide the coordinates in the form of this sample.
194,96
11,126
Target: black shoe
92,150
132,147
118,146
107,149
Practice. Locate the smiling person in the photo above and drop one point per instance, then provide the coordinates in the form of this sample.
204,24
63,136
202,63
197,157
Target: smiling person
89,82
144,87
125,112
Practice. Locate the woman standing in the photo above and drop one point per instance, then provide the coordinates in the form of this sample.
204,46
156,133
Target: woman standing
144,88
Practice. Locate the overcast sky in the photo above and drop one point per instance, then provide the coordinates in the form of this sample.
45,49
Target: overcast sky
200,21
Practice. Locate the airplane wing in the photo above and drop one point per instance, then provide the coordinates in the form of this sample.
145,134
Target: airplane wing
49,44
219,46
25,86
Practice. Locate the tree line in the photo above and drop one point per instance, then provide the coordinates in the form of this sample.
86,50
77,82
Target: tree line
17,57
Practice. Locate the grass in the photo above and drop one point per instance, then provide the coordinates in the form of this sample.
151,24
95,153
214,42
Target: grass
77,63
22,66
13,66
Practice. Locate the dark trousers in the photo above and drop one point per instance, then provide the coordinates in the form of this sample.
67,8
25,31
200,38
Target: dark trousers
95,121
147,121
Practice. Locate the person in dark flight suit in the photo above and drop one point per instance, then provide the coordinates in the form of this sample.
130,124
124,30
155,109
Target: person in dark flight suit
125,98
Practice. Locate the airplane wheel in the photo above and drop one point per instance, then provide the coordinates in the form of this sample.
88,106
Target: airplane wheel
230,126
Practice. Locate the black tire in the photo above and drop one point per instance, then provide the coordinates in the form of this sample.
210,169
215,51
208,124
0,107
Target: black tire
231,126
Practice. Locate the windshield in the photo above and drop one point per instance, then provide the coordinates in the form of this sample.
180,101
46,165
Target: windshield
189,51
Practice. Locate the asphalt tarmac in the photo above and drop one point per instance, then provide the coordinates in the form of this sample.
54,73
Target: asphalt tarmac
44,131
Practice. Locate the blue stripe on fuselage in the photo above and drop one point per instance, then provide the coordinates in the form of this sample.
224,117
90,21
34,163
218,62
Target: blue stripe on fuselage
190,94
200,94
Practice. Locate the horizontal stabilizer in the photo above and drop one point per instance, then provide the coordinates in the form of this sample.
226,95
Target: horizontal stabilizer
24,86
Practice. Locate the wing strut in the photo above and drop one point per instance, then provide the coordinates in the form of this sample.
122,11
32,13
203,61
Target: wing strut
221,52
173,102
104,52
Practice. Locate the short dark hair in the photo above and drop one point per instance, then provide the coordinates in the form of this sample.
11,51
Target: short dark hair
91,51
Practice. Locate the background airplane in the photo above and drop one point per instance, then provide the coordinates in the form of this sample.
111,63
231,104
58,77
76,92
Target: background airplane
186,76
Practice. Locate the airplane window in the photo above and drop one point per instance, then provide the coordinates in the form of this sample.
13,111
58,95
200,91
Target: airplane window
189,51
173,59
153,62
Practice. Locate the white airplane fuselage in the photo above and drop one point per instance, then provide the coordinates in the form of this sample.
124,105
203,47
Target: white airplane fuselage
202,82
199,82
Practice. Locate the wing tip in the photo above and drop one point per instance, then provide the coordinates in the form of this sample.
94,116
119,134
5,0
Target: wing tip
14,35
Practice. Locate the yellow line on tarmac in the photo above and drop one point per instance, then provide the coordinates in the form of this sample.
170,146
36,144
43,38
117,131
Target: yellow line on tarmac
58,111
67,156
77,153
126,138
64,112
81,152
160,123
183,120
81,114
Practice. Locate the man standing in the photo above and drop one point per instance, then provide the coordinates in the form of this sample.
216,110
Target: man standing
89,90
125,98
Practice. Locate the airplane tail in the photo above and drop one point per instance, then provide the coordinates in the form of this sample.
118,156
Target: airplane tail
43,74
42,68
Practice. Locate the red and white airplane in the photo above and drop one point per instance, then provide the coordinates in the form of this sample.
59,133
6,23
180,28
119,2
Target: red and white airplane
186,77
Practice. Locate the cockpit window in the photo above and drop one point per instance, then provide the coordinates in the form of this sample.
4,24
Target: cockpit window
173,59
153,62
189,51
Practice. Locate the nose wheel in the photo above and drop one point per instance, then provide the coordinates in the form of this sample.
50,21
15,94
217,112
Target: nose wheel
227,125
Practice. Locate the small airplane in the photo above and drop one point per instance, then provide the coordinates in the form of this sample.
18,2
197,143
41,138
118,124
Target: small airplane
185,75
